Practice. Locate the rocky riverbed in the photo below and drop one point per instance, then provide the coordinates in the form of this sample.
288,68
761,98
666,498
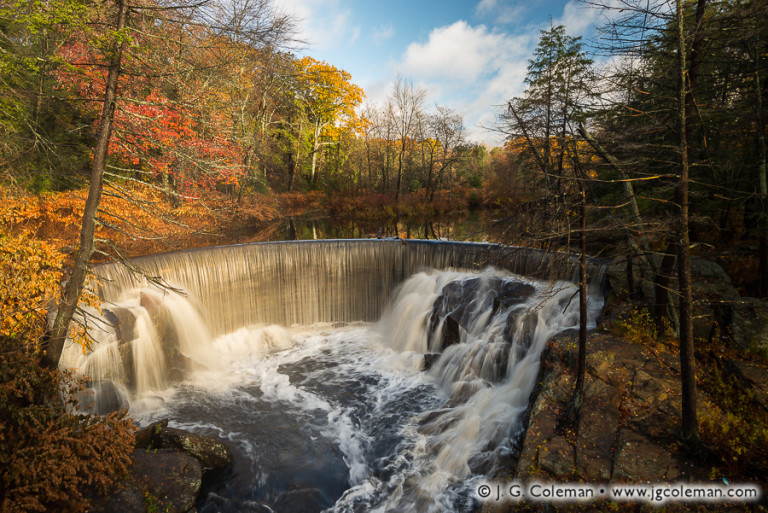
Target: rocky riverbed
626,430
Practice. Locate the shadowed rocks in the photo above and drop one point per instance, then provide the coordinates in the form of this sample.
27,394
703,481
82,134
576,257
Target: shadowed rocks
460,302
167,471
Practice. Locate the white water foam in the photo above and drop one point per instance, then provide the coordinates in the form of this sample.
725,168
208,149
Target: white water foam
344,390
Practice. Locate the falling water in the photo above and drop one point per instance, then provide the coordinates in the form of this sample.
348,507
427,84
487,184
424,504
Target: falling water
274,349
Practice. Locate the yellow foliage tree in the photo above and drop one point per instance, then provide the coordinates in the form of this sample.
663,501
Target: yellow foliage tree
330,100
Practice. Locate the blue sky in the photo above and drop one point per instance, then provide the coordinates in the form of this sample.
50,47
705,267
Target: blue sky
469,55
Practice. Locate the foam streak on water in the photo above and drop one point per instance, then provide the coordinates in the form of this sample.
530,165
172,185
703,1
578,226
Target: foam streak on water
339,417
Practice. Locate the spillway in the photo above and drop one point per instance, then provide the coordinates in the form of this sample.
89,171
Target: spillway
348,375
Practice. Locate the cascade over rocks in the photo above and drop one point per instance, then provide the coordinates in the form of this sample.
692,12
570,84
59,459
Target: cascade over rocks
242,317
460,302
123,320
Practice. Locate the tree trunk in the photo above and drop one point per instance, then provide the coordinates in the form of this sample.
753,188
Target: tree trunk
762,178
582,365
690,430
294,169
315,149
74,287
399,172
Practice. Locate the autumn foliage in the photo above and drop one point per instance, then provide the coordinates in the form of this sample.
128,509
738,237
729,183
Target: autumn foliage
51,457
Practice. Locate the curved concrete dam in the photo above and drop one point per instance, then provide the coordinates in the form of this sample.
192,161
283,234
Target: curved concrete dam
348,375
304,282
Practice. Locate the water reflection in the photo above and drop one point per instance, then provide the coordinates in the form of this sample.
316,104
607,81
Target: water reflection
468,226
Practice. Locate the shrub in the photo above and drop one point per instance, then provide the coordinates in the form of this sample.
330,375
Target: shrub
30,272
637,327
52,457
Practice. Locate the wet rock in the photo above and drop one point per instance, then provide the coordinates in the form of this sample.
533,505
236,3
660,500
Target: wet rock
451,331
163,480
437,421
554,387
124,322
499,356
305,500
161,320
431,415
463,390
125,350
511,293
178,365
107,398
519,330
460,301
144,435
429,360
490,463
209,452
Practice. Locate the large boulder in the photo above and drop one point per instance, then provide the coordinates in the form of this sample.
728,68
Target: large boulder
460,301
103,397
748,321
163,480
209,452
123,320
708,270
754,376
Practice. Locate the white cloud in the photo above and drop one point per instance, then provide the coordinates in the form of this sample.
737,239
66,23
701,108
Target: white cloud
578,18
470,69
354,35
501,11
581,18
458,51
382,33
322,24
486,6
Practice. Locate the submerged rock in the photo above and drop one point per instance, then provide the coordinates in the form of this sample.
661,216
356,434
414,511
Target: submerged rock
305,500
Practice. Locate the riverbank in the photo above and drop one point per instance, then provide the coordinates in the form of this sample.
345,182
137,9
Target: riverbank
627,429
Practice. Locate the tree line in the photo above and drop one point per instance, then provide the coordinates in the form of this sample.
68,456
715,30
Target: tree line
654,134
209,95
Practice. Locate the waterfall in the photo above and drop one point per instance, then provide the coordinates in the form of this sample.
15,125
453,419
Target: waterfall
304,282
488,373
286,318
